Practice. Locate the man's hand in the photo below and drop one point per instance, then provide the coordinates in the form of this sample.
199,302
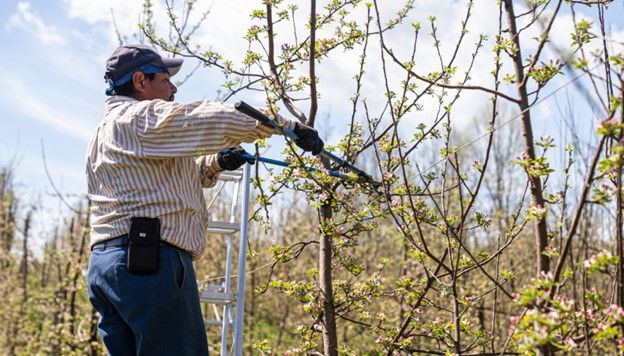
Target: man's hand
231,159
309,139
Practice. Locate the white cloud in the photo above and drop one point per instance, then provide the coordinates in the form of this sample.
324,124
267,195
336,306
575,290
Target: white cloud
127,13
58,114
127,16
227,23
26,19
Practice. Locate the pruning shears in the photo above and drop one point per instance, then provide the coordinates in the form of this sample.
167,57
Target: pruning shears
251,158
260,116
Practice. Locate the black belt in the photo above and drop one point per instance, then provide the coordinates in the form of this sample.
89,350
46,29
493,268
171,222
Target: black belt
121,240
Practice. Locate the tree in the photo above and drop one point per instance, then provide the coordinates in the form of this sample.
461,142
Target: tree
455,260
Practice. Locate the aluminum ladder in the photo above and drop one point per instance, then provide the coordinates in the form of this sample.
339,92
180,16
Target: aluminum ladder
222,294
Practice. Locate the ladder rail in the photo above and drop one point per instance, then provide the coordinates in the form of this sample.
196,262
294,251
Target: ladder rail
221,296
227,308
242,263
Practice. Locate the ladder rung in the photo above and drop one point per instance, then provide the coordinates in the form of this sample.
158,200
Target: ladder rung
213,322
214,288
231,176
221,227
216,297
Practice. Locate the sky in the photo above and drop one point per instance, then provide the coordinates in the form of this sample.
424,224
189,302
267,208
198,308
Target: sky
54,54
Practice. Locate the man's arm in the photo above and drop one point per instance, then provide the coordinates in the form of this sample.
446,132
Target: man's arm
209,169
161,129
165,129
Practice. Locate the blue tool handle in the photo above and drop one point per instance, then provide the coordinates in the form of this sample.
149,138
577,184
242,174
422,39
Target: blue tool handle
248,156
255,113
260,116
340,161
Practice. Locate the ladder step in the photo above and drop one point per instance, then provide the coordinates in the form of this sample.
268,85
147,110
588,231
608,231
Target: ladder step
221,227
213,322
231,176
214,288
216,297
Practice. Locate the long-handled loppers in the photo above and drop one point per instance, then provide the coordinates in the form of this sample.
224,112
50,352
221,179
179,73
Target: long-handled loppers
276,162
260,116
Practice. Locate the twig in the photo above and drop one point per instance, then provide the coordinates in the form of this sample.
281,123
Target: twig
56,190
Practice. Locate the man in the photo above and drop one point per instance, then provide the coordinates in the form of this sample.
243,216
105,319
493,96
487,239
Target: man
146,165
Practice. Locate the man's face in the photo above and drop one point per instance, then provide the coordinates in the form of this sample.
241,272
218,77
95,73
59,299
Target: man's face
159,88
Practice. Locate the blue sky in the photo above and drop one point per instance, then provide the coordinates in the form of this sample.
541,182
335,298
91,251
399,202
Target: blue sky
53,59
44,98
53,90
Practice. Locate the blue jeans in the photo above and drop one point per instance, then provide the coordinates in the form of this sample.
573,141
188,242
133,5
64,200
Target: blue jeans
153,314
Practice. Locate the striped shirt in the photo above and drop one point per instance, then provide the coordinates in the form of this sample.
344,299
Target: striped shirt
151,158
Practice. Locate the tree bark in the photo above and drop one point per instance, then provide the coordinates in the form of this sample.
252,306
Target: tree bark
618,237
24,268
330,340
618,227
78,267
541,231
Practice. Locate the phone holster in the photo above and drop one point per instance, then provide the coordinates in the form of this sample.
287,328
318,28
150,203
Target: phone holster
144,242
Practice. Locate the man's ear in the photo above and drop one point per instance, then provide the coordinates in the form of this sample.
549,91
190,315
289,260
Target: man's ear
138,80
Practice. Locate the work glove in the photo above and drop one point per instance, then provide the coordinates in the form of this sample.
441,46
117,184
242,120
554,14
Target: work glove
231,159
309,139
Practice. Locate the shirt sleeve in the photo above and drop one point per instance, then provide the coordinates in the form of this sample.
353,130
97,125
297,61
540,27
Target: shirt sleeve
166,129
209,170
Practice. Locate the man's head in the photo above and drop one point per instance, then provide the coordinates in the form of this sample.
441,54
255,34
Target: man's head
140,72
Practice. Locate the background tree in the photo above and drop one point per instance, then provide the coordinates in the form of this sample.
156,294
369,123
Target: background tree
442,255
454,261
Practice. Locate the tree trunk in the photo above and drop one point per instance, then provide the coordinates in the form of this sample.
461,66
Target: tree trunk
541,232
78,267
618,227
24,267
330,340
619,290
93,333
251,308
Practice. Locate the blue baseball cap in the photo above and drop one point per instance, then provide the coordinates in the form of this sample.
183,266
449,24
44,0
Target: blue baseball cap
128,59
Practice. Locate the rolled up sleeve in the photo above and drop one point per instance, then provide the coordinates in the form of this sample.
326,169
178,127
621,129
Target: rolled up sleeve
209,170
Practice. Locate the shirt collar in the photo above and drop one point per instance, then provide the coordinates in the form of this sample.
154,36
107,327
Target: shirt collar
117,100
